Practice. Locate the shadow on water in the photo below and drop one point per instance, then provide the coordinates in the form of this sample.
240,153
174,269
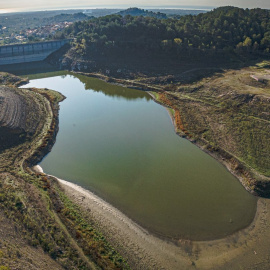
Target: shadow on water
24,69
111,90
42,70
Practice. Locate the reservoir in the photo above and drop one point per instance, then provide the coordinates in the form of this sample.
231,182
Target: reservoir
120,144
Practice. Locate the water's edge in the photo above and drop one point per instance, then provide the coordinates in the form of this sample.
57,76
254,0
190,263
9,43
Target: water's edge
172,118
107,207
252,184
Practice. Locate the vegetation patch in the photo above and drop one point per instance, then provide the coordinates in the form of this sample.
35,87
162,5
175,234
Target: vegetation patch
93,243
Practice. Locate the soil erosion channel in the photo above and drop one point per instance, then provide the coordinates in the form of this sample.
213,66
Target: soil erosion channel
120,144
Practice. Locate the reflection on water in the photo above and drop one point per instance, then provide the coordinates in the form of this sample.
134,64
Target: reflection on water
24,69
111,90
120,144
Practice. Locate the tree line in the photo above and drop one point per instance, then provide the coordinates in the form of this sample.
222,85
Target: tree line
225,29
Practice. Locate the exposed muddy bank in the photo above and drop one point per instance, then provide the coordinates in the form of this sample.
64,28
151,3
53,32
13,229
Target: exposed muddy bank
24,113
50,137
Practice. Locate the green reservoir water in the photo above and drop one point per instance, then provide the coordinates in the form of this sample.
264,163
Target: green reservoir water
120,144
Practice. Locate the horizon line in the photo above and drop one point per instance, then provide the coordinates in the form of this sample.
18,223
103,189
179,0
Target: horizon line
181,7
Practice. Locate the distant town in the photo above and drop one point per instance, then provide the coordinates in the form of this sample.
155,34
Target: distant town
35,34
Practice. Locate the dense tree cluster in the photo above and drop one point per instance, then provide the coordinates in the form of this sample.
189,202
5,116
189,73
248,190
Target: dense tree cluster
223,29
141,12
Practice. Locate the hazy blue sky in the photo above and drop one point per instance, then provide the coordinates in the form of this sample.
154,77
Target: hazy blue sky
55,4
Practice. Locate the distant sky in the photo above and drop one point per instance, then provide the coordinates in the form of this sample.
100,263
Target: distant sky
24,5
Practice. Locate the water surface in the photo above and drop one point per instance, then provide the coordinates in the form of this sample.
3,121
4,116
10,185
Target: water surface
120,144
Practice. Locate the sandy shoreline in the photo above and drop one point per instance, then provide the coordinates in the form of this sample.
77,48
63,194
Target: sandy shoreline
246,249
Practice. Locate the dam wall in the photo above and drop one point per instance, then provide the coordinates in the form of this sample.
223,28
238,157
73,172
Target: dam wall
30,52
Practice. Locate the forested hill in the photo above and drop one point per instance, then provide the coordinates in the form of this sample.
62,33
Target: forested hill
223,29
141,12
63,17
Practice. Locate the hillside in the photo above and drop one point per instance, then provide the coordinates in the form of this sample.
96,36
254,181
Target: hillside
141,12
225,30
65,18
40,227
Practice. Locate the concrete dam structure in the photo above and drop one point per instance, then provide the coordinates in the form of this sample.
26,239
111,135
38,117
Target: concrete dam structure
30,52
